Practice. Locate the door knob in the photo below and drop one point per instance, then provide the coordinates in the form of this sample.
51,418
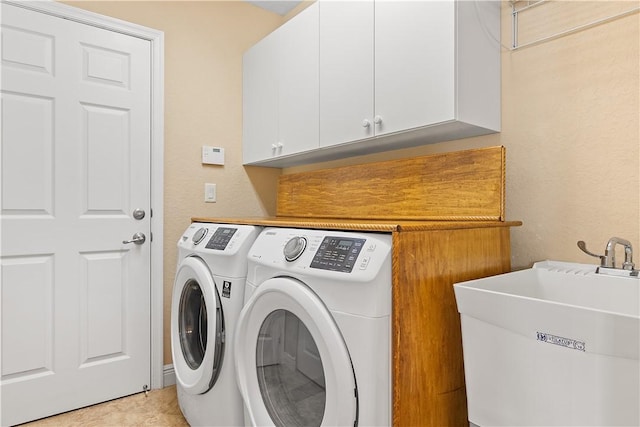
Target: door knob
139,214
138,239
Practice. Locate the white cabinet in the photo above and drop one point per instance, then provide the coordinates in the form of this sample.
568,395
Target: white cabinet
414,64
355,77
346,71
260,100
280,91
390,67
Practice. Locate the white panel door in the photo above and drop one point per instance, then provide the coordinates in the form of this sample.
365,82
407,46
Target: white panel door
75,164
414,64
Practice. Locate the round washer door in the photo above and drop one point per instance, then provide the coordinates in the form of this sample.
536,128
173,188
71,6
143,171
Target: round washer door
197,328
292,364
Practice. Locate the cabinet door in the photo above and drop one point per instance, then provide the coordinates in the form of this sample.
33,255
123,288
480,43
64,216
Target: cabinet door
299,83
260,100
414,63
346,71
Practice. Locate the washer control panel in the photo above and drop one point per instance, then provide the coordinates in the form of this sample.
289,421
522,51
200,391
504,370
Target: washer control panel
221,238
338,253
219,241
322,253
222,247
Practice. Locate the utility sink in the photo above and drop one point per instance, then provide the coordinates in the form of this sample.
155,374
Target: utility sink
557,344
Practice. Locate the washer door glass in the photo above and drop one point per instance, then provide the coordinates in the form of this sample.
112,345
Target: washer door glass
192,324
292,364
197,327
290,372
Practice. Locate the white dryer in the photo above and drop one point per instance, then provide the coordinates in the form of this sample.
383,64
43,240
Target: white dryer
313,339
208,294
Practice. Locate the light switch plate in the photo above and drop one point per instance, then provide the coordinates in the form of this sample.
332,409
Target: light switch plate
210,193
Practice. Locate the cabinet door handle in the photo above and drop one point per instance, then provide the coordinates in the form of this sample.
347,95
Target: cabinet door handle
366,123
377,120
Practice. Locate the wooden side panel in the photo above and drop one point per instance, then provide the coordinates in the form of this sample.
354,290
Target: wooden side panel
428,371
462,185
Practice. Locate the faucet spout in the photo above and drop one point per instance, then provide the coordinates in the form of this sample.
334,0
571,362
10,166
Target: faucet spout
610,253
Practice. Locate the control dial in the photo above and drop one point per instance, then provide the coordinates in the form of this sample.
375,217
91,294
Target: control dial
294,248
199,235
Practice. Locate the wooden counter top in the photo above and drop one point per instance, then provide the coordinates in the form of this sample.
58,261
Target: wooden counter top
358,225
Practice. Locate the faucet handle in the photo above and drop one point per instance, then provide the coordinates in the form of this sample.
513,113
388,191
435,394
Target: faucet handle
583,247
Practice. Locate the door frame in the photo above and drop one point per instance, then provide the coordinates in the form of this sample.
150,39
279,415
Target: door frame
156,39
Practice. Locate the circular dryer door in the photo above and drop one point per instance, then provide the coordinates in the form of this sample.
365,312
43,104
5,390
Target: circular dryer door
197,328
292,364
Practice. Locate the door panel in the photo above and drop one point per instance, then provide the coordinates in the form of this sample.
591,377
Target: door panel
105,66
31,155
75,164
20,357
102,334
27,50
106,159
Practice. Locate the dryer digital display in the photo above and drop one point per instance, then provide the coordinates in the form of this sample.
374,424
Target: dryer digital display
337,254
221,238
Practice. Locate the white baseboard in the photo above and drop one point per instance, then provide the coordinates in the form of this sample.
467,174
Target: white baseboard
169,376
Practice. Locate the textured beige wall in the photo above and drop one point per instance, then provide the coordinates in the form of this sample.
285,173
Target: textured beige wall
204,42
570,124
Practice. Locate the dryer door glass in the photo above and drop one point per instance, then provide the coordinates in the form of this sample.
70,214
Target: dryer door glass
193,324
290,372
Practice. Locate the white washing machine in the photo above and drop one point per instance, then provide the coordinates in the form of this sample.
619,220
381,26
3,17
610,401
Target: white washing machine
313,339
208,294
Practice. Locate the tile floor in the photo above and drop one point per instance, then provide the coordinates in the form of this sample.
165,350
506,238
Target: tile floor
158,408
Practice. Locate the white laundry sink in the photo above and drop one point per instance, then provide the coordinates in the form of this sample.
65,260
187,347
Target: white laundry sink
556,344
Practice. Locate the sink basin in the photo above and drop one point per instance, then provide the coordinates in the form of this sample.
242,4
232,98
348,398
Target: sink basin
556,344
566,283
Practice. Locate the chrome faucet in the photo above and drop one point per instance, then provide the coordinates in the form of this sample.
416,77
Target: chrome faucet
610,253
608,260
